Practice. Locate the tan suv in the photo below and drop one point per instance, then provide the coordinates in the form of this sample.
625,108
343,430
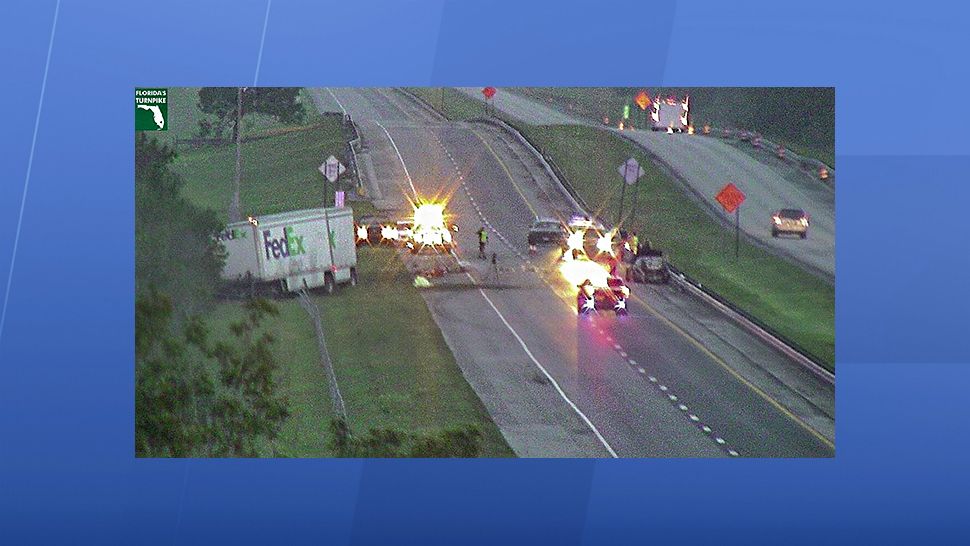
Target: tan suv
789,221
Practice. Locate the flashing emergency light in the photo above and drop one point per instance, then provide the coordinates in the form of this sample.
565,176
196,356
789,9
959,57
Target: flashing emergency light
430,215
576,272
605,243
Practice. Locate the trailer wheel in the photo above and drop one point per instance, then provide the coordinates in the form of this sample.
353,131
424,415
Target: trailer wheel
353,276
328,283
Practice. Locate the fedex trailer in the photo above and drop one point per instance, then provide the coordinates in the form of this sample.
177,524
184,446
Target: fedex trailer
293,250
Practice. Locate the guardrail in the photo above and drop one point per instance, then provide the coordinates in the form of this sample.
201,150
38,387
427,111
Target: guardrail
809,165
353,143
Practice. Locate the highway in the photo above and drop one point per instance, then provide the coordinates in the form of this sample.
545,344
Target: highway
672,379
705,164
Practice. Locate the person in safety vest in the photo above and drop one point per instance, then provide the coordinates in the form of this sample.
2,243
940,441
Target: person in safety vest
482,240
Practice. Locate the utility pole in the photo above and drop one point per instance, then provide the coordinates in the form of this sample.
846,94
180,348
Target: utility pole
234,213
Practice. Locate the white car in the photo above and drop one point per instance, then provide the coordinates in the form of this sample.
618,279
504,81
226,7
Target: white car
581,221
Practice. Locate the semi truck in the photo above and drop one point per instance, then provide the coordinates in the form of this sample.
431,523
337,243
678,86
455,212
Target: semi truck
293,250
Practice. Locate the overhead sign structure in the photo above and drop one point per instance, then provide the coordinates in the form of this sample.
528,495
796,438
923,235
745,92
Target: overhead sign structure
643,100
730,197
489,92
332,168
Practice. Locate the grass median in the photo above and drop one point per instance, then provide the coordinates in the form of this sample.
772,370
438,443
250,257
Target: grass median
454,104
393,367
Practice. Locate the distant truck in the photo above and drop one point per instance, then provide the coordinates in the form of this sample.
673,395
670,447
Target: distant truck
670,114
290,251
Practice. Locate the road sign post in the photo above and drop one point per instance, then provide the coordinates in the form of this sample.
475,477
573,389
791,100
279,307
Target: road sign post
642,100
489,92
737,231
331,169
631,171
730,197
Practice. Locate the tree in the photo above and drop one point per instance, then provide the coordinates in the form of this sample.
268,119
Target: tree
181,409
176,251
281,103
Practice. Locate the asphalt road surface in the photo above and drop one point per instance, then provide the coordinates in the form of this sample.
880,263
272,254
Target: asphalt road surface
672,379
705,165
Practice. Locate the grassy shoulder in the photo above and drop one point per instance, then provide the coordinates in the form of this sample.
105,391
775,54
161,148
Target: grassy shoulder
454,104
392,364
788,299
278,173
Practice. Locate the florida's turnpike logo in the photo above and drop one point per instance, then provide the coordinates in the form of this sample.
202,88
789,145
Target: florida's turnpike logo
151,109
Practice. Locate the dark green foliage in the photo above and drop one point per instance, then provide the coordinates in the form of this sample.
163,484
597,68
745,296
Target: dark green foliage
464,442
176,252
193,397
181,410
281,103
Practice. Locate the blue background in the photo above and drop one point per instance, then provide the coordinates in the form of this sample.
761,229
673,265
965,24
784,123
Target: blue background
67,471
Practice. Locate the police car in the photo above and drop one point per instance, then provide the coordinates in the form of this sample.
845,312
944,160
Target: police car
581,221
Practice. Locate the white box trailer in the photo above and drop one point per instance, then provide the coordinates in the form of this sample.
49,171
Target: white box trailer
293,249
671,114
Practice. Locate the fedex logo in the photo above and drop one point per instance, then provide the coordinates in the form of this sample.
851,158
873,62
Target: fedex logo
284,247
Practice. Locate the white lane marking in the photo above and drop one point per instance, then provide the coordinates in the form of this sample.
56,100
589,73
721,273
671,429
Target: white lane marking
694,418
342,109
663,388
632,362
622,354
406,173
706,429
682,407
732,453
652,379
546,373
641,370
719,440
